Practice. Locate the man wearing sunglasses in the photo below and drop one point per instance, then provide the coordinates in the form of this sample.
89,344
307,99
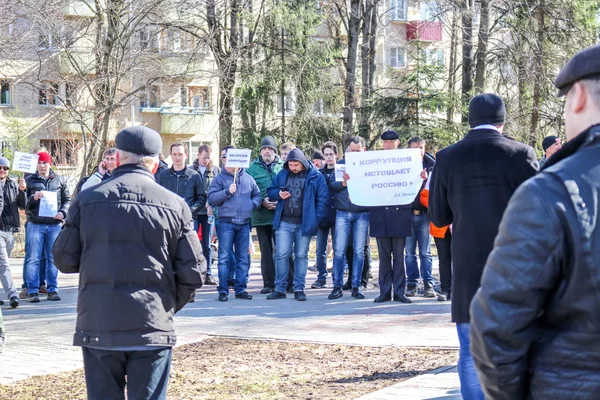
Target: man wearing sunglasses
13,198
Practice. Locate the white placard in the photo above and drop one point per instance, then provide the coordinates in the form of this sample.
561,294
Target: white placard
48,204
384,178
25,162
238,158
339,172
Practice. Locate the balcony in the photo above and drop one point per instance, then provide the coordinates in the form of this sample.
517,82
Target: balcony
424,31
78,8
77,59
180,122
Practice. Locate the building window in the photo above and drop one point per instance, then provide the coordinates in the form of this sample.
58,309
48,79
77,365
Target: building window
288,102
199,97
63,151
398,10
430,12
5,93
151,98
397,57
183,96
433,56
48,94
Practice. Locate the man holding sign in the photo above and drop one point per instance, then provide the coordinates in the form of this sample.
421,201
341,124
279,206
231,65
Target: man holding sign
236,195
47,205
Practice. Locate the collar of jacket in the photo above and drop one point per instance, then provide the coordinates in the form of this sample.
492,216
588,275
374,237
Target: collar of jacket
240,172
483,132
131,168
51,175
584,139
186,169
268,166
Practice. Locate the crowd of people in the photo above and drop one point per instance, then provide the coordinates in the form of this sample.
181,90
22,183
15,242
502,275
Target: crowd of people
517,247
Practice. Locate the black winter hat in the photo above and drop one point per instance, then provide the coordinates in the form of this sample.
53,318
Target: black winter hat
268,141
548,141
139,140
486,108
317,155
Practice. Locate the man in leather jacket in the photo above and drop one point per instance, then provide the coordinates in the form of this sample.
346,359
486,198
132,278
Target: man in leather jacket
535,324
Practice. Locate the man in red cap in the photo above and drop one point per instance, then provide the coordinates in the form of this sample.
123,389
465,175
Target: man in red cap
47,205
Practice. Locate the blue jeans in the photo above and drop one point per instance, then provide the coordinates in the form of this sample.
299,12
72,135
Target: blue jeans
470,389
40,240
322,235
358,224
231,235
286,236
420,236
42,266
147,373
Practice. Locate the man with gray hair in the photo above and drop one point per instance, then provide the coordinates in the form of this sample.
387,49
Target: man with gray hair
132,276
105,169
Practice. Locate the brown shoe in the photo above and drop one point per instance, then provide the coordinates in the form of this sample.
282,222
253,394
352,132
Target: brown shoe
23,295
43,289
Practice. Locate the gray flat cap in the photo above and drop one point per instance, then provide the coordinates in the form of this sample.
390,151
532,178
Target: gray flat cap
585,64
139,140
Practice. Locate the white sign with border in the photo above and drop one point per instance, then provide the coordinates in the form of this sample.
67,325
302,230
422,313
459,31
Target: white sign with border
238,158
339,172
25,162
385,177
48,204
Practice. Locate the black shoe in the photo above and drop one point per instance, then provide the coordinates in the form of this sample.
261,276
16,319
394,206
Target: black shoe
356,293
276,295
209,281
34,298
318,284
53,296
267,290
382,299
347,286
243,296
336,293
289,289
411,291
300,296
222,296
402,299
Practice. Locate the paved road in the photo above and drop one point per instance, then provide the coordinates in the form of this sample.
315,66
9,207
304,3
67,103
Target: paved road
39,335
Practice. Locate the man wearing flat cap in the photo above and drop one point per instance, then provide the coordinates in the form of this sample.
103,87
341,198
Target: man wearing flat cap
536,319
470,186
139,262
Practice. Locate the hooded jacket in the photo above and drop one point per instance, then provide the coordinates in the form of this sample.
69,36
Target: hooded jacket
535,321
316,194
263,174
234,208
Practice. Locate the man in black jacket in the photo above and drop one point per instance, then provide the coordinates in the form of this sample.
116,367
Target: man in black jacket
13,198
139,262
470,188
47,204
535,320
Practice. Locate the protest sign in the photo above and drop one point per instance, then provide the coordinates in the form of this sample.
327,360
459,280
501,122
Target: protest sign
238,158
48,204
339,172
384,178
25,162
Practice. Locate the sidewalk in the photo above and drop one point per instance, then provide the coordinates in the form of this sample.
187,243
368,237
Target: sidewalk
39,336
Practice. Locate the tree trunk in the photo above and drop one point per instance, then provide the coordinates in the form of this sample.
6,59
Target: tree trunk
482,46
349,84
366,54
452,68
467,50
539,74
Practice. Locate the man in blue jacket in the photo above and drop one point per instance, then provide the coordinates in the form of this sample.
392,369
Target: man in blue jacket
302,196
235,199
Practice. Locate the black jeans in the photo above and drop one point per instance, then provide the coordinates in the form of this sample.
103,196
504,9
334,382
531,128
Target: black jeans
366,265
147,373
206,237
266,243
444,248
391,266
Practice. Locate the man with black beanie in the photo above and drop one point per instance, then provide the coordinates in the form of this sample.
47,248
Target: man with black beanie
470,187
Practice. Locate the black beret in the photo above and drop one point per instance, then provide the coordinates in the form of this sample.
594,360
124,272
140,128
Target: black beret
486,109
548,141
390,135
317,155
139,140
584,64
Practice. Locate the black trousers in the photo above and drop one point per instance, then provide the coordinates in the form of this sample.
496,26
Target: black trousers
266,243
205,242
366,265
147,373
444,248
391,265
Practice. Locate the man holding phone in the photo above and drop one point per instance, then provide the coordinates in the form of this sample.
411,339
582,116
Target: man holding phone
302,196
105,169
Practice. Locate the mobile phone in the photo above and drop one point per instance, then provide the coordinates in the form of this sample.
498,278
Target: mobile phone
284,189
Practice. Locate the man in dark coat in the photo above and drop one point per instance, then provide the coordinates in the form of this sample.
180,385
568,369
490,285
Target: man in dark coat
470,187
535,321
139,262
391,225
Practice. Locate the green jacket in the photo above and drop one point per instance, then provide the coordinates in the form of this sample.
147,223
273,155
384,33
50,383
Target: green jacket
263,177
